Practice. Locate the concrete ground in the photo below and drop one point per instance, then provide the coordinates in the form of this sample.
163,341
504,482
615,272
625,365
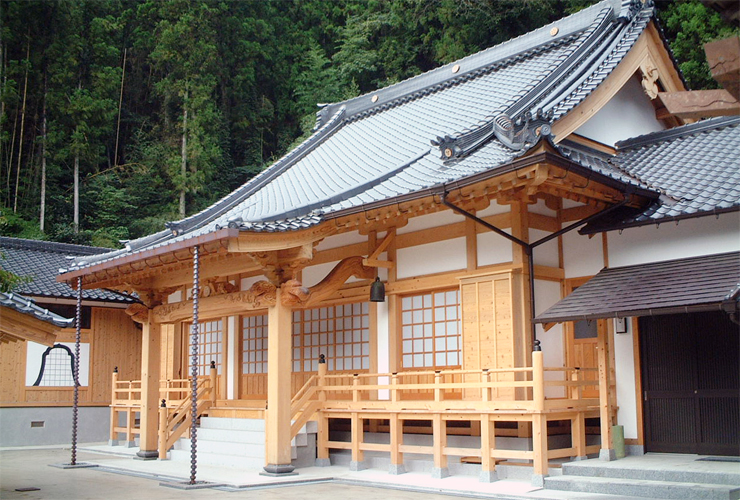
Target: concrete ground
122,477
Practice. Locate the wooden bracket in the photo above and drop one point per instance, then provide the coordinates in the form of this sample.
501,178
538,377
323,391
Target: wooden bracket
372,259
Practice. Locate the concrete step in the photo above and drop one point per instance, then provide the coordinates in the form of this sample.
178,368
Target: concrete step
722,475
219,459
243,424
224,448
643,488
231,436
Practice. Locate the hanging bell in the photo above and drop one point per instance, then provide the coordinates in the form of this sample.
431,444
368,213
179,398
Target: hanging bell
377,291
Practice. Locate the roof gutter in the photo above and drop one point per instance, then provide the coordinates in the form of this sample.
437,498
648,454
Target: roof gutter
529,247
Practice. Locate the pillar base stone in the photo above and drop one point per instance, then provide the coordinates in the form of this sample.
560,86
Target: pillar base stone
356,466
440,472
578,459
396,469
538,480
146,455
323,462
607,455
278,470
488,476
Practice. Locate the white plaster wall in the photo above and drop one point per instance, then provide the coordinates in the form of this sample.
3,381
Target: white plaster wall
314,274
492,209
431,220
582,256
441,256
688,238
493,249
174,297
610,124
625,372
541,208
547,293
341,240
547,253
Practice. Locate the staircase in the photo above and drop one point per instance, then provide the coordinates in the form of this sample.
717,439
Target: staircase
240,443
690,480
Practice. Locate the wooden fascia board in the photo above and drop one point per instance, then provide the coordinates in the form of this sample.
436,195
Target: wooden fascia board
268,242
648,49
134,261
26,327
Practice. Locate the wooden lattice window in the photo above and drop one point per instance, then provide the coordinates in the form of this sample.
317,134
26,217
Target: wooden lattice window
430,326
57,367
341,333
210,345
254,344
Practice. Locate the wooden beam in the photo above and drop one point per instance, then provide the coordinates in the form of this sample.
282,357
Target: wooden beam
150,359
17,326
723,57
698,104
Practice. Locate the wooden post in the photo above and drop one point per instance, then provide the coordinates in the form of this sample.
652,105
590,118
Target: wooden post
439,441
213,380
539,418
163,431
113,440
355,391
438,393
607,453
396,429
578,422
358,456
150,358
277,450
394,391
487,443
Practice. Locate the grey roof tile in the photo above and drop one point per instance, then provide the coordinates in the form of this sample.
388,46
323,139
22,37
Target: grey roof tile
697,283
28,306
42,260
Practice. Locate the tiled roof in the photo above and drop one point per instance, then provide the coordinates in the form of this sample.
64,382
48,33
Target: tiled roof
42,260
695,167
685,285
389,144
28,306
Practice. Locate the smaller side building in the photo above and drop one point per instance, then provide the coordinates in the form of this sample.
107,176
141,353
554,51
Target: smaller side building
36,381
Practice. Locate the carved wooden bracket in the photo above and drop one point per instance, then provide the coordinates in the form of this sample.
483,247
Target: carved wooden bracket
351,266
650,75
216,286
138,312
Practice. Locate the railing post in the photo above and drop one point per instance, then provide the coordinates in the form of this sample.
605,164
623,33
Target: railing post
438,393
486,379
163,430
394,391
213,381
113,440
539,419
355,384
322,380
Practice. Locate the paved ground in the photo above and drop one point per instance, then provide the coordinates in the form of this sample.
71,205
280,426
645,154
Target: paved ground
30,469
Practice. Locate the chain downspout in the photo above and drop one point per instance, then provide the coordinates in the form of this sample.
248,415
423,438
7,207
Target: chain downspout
194,367
76,370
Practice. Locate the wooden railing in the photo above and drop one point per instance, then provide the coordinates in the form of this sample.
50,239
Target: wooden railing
176,397
451,395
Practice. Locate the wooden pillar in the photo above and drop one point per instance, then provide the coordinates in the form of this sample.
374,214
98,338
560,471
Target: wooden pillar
396,430
358,433
539,419
150,359
487,443
607,453
277,449
439,441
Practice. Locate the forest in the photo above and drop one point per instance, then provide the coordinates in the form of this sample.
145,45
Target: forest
119,115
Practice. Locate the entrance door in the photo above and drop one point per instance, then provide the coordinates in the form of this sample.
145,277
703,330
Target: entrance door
581,341
691,383
210,349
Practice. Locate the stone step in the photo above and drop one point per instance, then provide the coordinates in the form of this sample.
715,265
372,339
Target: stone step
682,474
231,436
224,448
643,488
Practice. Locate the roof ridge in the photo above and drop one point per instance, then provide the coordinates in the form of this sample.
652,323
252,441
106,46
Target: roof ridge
51,246
676,132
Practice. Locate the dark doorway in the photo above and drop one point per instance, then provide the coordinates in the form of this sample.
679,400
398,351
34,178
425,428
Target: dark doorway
691,383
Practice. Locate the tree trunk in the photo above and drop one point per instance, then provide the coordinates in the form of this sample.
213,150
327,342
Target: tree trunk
120,103
23,120
42,204
184,154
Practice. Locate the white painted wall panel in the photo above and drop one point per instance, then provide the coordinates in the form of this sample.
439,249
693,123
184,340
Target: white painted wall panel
547,253
247,283
341,240
493,249
431,220
690,238
625,371
547,293
432,258
582,256
541,208
492,209
610,124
